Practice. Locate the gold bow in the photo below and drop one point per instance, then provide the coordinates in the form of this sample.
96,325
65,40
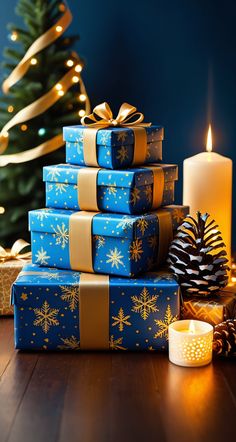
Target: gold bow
127,116
15,251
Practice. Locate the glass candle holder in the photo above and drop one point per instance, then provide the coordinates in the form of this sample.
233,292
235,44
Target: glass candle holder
190,343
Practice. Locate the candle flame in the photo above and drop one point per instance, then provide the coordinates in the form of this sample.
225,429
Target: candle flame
191,326
209,140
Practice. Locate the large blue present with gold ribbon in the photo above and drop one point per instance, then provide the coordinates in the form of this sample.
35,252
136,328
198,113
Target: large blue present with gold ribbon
129,191
114,147
65,310
123,245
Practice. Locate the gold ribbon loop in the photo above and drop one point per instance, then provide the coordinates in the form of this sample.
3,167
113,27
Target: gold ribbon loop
81,241
15,251
94,312
165,234
158,185
87,188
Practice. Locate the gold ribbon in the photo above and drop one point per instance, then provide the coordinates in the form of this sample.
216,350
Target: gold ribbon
80,232
165,234
87,188
158,185
94,312
126,117
43,103
15,252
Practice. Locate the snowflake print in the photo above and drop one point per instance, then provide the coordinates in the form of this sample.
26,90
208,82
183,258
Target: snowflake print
70,295
100,241
144,304
121,136
142,224
126,223
43,214
122,154
121,319
136,250
115,258
164,324
135,196
148,193
46,317
42,256
61,187
116,344
71,343
53,175
105,135
112,190
178,215
62,235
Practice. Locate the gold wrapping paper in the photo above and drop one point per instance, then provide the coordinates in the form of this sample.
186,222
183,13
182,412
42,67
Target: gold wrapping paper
81,258
213,310
87,188
9,271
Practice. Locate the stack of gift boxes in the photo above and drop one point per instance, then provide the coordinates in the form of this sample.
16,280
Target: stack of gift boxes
97,247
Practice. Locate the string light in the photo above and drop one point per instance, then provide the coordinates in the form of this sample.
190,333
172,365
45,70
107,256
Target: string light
69,63
14,36
10,109
82,97
81,113
24,127
41,131
58,86
2,210
75,79
33,61
78,68
61,93
61,7
59,28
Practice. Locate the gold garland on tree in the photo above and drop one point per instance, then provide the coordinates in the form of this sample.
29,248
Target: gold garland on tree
47,100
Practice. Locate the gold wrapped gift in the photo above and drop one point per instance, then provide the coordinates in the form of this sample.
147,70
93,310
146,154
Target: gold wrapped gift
213,310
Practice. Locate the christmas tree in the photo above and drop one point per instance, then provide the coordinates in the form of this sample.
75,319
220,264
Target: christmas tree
43,92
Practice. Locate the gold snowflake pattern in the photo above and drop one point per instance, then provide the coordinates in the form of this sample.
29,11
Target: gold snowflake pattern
62,235
116,344
115,258
135,196
42,256
61,187
122,154
121,320
46,317
121,136
70,295
54,174
178,215
164,324
112,190
142,224
100,241
144,304
152,242
71,343
148,194
136,250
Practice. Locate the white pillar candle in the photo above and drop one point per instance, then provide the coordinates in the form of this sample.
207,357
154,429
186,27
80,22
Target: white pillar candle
208,188
190,343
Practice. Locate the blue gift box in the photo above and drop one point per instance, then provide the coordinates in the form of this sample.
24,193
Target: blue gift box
114,146
48,311
121,191
121,245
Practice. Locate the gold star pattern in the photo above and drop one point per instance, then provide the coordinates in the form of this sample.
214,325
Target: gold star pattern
71,343
164,324
24,296
135,195
121,319
115,258
62,235
46,317
122,154
116,344
70,295
136,250
142,224
144,304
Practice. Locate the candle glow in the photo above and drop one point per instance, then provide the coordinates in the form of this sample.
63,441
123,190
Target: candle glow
209,140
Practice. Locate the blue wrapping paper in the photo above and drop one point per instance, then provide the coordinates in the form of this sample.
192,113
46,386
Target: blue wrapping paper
121,245
47,307
121,191
115,146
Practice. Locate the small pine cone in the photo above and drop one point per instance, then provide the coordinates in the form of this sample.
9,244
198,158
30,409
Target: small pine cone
224,338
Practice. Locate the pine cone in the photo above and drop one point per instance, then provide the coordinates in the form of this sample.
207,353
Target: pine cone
224,340
197,257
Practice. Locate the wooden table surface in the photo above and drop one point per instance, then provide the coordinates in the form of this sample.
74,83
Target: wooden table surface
47,397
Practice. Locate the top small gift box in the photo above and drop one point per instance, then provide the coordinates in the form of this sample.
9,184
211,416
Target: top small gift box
113,143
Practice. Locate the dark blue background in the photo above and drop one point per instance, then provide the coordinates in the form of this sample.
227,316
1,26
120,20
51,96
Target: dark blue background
174,59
